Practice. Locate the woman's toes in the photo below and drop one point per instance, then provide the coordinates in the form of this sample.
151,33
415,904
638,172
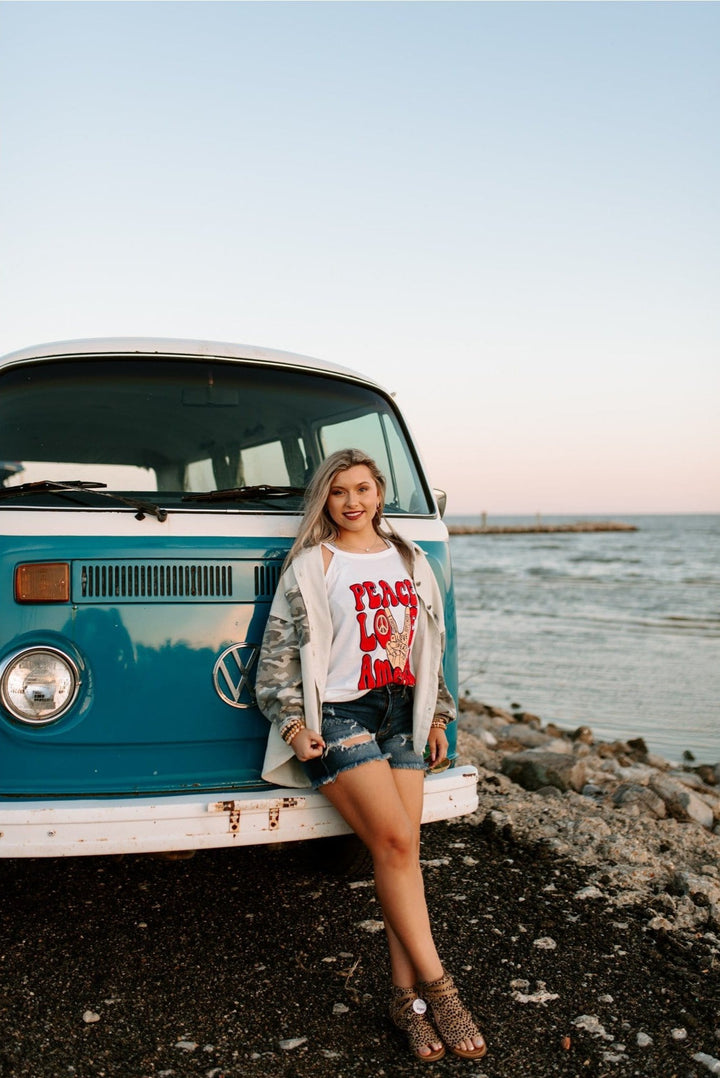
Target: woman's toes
428,1048
470,1044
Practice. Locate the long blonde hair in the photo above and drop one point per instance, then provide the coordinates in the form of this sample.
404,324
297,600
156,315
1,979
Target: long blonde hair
317,526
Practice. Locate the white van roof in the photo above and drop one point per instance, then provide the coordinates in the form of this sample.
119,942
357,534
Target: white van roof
169,346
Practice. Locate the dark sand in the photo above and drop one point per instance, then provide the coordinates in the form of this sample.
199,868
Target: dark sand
235,951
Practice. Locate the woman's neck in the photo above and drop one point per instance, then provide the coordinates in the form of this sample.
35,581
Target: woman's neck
357,543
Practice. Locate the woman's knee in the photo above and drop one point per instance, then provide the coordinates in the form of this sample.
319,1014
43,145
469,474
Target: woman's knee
396,843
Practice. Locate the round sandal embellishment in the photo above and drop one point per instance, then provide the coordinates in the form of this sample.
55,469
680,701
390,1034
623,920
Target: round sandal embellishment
419,1006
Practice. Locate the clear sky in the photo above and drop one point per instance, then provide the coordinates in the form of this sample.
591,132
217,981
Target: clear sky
505,212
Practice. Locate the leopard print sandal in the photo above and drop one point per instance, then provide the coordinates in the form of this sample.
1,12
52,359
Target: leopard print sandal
407,1012
453,1020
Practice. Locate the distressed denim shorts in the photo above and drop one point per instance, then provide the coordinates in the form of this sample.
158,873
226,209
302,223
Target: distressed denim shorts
386,714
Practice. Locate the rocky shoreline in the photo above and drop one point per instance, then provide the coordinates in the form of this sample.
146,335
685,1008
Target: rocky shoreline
647,832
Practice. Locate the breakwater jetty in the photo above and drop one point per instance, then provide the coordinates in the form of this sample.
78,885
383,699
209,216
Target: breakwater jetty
541,529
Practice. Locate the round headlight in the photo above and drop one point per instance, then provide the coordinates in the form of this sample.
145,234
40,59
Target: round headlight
38,685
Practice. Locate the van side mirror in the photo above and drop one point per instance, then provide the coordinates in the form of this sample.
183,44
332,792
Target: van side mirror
441,499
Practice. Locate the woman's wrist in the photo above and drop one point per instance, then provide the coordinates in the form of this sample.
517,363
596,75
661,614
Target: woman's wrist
439,722
291,729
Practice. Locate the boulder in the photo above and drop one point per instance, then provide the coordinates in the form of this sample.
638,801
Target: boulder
534,769
524,735
681,803
639,799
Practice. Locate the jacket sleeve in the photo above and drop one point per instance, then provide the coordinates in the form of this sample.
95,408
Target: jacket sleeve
444,705
278,683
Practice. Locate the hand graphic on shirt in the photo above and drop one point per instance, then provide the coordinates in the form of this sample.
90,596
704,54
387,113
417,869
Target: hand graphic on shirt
398,644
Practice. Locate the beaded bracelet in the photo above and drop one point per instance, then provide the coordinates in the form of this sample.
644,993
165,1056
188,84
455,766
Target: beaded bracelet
439,723
291,730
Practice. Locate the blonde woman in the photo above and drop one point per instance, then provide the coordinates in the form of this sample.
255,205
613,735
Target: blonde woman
350,676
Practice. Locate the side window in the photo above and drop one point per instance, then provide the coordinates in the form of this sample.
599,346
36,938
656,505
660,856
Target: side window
377,435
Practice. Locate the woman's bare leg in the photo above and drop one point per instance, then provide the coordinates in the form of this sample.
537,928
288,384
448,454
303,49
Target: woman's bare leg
385,815
368,798
384,808
410,787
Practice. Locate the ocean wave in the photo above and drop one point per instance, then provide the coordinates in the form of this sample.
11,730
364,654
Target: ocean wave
600,560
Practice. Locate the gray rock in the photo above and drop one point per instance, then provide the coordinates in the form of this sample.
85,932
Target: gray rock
288,1043
682,803
533,770
526,735
712,1064
694,782
644,800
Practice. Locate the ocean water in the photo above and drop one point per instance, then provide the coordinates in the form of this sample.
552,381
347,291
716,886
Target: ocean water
619,631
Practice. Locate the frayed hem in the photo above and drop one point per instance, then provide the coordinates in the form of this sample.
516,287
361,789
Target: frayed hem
326,780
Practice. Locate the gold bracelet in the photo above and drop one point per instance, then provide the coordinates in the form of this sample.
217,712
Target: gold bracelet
291,730
439,723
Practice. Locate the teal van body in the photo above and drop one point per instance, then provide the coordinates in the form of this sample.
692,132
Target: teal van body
150,491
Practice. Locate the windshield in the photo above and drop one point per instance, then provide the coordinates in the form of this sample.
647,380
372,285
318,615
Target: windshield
178,427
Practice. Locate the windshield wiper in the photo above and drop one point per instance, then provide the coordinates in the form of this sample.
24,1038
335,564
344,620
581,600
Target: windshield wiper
71,485
49,484
245,494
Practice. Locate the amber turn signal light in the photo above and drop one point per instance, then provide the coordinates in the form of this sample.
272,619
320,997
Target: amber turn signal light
43,582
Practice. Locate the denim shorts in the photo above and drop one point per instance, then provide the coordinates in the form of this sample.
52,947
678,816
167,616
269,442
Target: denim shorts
386,714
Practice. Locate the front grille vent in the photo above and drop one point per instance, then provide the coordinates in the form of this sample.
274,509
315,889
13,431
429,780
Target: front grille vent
266,579
148,581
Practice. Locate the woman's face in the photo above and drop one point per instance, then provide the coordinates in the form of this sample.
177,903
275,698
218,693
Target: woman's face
353,499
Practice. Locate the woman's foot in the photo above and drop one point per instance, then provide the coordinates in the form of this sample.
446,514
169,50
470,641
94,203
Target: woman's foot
407,1012
452,1019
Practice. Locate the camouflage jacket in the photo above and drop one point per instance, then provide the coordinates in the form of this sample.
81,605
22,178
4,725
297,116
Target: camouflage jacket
295,654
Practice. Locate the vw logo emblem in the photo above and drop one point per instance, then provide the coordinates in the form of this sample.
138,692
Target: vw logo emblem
231,674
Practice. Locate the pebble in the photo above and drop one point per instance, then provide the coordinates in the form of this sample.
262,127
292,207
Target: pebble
588,892
340,1008
187,1046
591,1024
289,1043
643,1040
541,995
89,1017
545,943
712,1064
679,1034
372,926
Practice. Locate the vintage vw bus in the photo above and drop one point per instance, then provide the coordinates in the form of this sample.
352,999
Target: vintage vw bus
149,490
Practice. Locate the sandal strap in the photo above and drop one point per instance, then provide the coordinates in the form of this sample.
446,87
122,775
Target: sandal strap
420,1031
452,1018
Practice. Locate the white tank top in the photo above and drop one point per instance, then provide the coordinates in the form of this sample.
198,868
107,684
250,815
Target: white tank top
373,606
